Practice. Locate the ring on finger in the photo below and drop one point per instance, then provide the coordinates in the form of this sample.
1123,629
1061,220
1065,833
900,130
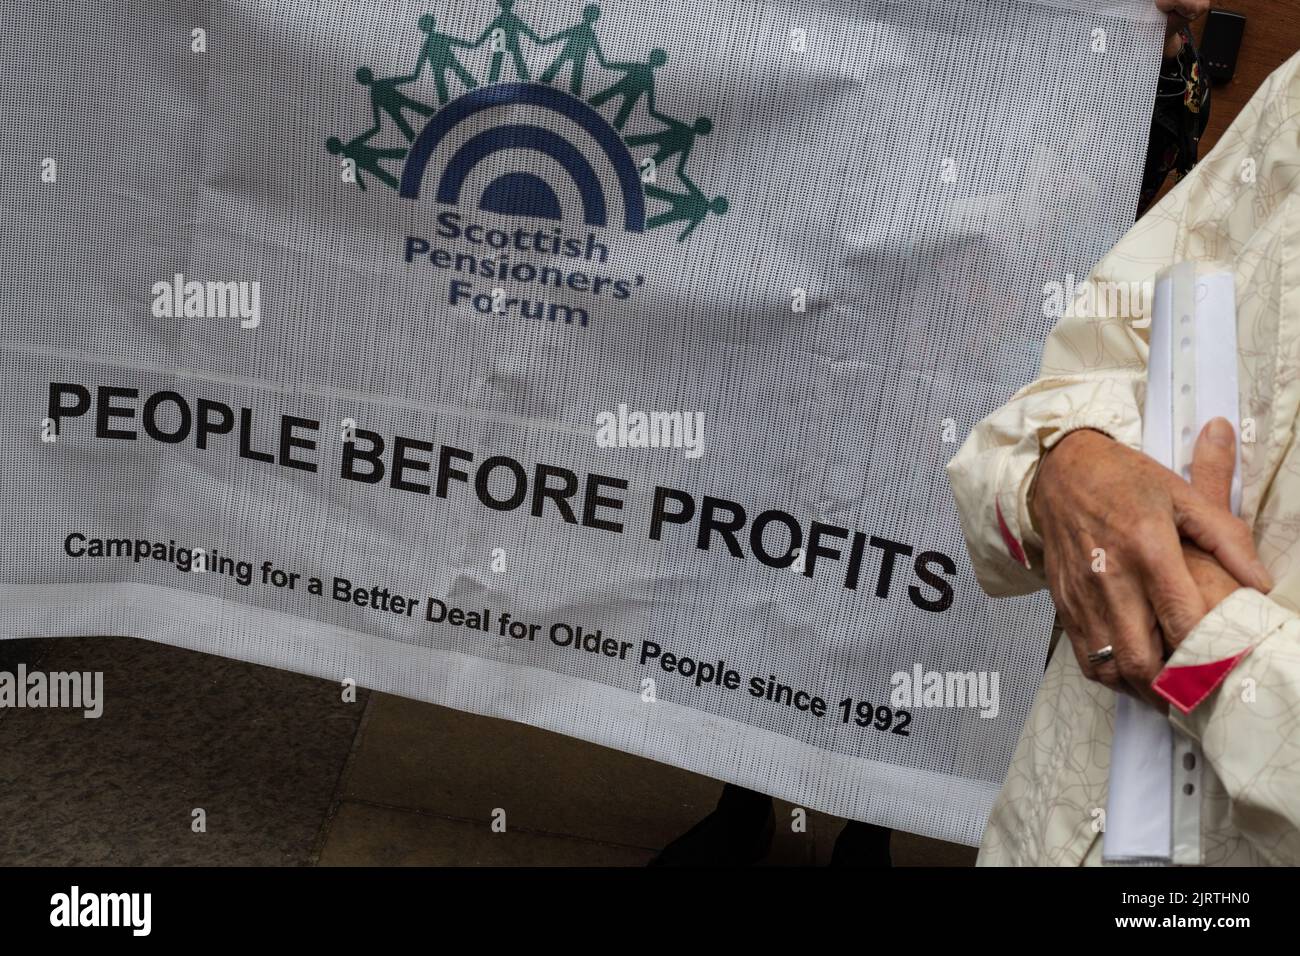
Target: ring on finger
1101,656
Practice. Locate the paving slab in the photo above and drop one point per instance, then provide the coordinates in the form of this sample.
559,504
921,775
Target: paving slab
458,766
363,835
260,750
287,773
418,756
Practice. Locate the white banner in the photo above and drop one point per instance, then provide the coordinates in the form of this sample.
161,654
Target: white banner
593,366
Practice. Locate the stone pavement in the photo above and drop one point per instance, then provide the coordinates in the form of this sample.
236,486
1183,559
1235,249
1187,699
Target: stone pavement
286,773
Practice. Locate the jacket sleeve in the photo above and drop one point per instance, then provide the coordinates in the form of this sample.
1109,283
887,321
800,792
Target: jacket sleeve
1093,376
1094,361
1234,684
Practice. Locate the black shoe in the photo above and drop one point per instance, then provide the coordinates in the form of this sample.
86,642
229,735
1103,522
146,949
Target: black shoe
738,833
862,844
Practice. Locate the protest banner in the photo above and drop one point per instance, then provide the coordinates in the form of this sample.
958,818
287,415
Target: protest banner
587,365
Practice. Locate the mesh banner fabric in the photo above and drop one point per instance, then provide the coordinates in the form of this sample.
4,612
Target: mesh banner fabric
588,365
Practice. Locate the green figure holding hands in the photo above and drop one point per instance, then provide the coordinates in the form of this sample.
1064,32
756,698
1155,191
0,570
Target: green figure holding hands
579,43
366,157
689,207
438,51
675,139
385,97
638,80
510,28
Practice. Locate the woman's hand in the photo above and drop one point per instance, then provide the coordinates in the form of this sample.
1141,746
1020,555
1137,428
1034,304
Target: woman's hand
1185,10
1212,581
1112,522
1212,477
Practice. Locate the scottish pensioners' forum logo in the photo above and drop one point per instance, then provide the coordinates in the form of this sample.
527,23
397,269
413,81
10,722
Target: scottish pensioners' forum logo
549,129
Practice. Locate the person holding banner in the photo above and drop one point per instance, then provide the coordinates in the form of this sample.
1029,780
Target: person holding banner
1194,610
1182,102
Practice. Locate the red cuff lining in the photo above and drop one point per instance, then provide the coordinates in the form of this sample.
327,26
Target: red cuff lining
1009,539
1186,687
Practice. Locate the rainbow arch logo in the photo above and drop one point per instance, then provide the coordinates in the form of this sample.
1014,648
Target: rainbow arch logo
555,146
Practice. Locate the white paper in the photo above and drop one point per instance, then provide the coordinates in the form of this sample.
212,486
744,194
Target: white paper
1192,378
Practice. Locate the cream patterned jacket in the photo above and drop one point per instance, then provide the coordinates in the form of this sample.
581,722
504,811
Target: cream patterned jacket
1235,680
